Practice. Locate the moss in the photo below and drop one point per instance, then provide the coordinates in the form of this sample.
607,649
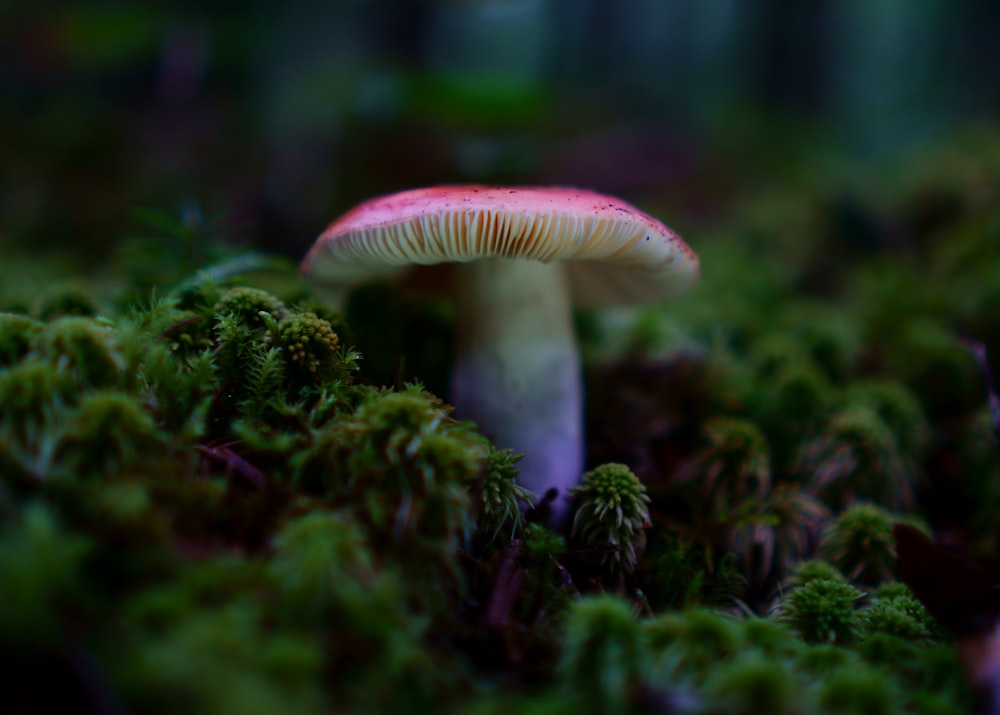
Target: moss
501,497
930,358
210,501
856,691
603,659
857,457
771,639
902,617
108,430
751,684
790,405
824,611
734,464
66,300
31,391
821,659
321,559
245,304
310,344
201,663
689,644
86,350
42,577
899,408
407,471
613,512
684,573
860,543
17,335
813,570
775,531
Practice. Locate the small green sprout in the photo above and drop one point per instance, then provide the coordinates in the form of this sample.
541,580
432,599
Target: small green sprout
614,509
501,496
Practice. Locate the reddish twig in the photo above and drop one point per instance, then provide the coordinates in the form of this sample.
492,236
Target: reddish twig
171,329
978,351
234,463
506,587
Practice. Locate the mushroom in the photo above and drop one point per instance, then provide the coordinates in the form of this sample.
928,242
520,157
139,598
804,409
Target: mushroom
523,257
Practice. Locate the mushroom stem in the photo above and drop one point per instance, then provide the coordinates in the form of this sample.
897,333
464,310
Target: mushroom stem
517,371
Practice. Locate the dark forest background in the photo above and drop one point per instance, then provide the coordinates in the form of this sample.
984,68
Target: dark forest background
271,118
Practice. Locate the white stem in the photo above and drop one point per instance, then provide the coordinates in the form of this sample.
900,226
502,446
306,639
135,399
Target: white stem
517,370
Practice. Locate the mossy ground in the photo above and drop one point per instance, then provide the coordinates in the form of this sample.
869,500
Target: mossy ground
220,496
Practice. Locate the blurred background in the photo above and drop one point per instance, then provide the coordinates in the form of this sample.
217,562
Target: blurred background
273,118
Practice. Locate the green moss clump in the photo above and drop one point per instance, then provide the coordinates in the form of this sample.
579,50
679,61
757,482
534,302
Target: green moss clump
65,300
202,661
246,305
813,570
321,560
824,611
17,335
501,497
899,408
852,690
734,464
107,430
42,578
85,349
860,543
775,531
603,660
408,472
31,391
894,611
310,343
687,644
751,684
210,502
613,512
857,457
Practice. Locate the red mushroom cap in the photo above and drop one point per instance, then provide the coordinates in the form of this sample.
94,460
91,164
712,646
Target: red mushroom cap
617,253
